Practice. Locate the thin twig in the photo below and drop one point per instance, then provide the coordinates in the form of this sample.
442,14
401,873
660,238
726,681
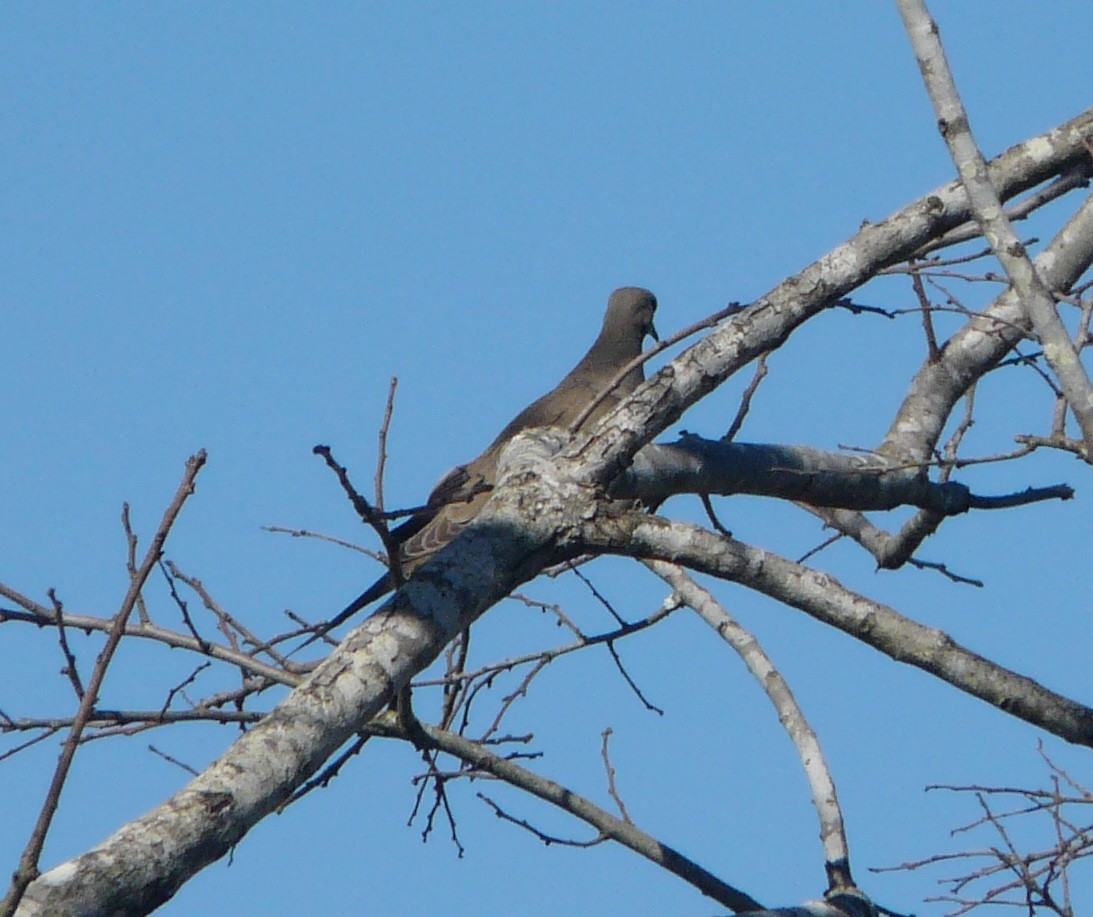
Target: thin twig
131,560
307,533
925,308
381,450
372,516
70,670
171,760
609,769
746,397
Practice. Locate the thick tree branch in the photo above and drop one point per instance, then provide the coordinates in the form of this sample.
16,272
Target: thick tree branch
1064,184
790,715
145,862
836,479
826,599
766,323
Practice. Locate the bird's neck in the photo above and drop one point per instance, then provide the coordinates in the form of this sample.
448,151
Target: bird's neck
608,355
614,349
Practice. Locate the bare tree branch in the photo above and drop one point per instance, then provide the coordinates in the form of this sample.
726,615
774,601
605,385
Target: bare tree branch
986,205
824,598
800,473
939,385
790,715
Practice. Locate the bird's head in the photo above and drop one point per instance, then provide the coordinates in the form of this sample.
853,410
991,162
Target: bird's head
630,313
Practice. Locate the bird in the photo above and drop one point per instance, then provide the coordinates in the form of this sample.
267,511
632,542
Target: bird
460,495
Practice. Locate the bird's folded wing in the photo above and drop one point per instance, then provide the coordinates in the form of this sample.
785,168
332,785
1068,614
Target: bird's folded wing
463,491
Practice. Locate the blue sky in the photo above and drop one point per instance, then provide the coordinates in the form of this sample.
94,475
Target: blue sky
227,227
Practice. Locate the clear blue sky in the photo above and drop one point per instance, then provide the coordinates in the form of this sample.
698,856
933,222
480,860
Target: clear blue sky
227,226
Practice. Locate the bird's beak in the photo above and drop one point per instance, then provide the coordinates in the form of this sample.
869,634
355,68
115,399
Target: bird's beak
652,331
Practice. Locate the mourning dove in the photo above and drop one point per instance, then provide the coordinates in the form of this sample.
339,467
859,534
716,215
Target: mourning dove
463,491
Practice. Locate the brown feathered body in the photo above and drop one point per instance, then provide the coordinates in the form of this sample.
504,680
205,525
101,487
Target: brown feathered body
463,491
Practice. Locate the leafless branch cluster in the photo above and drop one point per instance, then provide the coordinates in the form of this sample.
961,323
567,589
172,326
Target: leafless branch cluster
221,638
1011,869
561,496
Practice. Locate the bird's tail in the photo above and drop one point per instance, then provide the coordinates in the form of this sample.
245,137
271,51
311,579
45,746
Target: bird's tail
377,590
